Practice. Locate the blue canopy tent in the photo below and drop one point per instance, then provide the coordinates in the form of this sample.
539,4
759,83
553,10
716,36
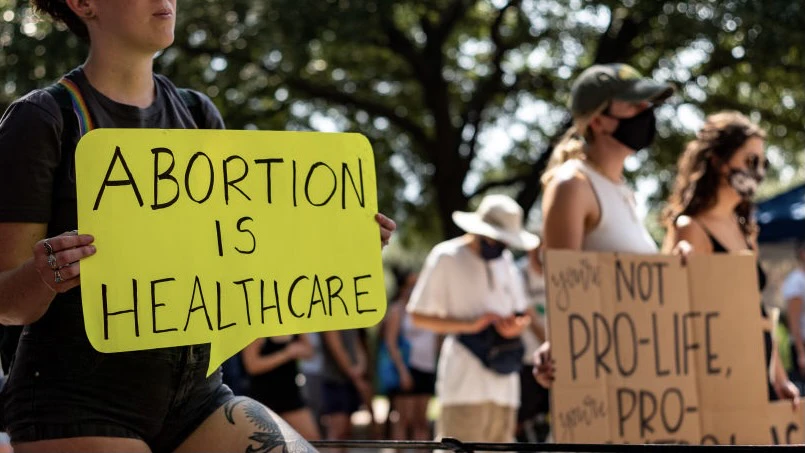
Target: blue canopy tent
782,217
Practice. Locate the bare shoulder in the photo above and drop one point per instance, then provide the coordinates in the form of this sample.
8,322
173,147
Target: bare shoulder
688,228
569,209
687,225
570,187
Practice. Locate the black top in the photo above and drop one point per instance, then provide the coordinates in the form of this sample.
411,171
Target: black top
276,388
718,248
37,173
37,182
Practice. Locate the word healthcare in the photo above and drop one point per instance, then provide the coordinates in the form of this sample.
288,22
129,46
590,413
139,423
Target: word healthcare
221,237
646,351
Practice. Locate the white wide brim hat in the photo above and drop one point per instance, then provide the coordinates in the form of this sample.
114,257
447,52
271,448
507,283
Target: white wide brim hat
498,217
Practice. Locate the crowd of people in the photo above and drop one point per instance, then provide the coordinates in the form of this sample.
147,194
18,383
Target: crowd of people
468,329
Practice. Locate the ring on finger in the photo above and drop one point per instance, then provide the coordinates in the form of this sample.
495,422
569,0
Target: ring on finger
52,262
57,277
48,247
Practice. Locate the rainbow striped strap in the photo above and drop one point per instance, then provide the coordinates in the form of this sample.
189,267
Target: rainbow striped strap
85,123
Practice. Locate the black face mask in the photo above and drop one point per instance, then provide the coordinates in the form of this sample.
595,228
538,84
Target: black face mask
491,250
638,131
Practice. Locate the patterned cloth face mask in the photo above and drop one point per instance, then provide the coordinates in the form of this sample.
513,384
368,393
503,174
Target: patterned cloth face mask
746,181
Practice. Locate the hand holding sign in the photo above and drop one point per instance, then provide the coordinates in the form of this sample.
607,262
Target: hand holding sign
57,259
544,367
222,237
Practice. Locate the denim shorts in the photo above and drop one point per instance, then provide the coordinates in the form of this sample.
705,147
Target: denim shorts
61,387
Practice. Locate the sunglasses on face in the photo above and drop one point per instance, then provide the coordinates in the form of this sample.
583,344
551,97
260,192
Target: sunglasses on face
757,164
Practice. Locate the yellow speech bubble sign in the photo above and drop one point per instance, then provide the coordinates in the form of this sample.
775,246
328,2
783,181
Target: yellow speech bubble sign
221,237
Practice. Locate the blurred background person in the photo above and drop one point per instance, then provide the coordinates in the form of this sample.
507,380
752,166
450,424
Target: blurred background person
346,385
711,209
471,290
312,369
407,364
794,295
532,415
272,366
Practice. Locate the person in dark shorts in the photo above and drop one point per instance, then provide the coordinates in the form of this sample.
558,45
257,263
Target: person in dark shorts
534,399
61,394
346,384
271,364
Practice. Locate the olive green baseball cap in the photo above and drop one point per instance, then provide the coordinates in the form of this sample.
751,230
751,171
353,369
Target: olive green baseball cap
599,84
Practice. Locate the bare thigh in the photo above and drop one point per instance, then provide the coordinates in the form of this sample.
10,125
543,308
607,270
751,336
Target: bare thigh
421,407
303,422
243,424
404,404
84,445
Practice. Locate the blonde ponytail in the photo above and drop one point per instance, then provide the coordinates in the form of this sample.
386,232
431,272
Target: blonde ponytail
570,146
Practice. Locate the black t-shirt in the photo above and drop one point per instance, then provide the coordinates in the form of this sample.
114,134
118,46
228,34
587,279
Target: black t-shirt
37,182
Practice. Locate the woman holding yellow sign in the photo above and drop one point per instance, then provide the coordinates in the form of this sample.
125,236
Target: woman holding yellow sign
62,395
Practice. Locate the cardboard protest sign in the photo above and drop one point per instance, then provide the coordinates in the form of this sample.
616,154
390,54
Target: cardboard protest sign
221,237
650,351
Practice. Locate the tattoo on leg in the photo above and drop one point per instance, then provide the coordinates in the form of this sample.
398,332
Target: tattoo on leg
272,435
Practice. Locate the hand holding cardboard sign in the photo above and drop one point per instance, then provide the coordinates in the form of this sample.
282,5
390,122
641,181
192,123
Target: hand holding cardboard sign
544,370
683,249
788,391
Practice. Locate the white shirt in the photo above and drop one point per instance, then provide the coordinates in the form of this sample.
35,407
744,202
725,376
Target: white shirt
794,286
423,345
620,228
457,283
535,292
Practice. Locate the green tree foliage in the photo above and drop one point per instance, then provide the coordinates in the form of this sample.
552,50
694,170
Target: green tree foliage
436,84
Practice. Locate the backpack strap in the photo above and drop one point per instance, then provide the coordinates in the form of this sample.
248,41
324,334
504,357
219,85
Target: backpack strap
193,103
68,96
70,118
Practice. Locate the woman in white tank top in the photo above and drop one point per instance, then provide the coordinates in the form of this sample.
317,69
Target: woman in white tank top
586,203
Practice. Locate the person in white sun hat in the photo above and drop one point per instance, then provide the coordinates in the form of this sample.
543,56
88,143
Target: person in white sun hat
471,291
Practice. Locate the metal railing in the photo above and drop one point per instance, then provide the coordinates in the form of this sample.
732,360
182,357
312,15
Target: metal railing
457,446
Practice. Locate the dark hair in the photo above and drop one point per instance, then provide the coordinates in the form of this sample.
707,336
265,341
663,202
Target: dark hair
698,176
60,11
401,274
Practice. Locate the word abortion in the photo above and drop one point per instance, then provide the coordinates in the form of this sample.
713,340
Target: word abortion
233,170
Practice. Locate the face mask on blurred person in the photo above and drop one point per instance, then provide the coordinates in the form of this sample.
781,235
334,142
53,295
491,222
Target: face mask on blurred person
746,181
491,249
638,131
